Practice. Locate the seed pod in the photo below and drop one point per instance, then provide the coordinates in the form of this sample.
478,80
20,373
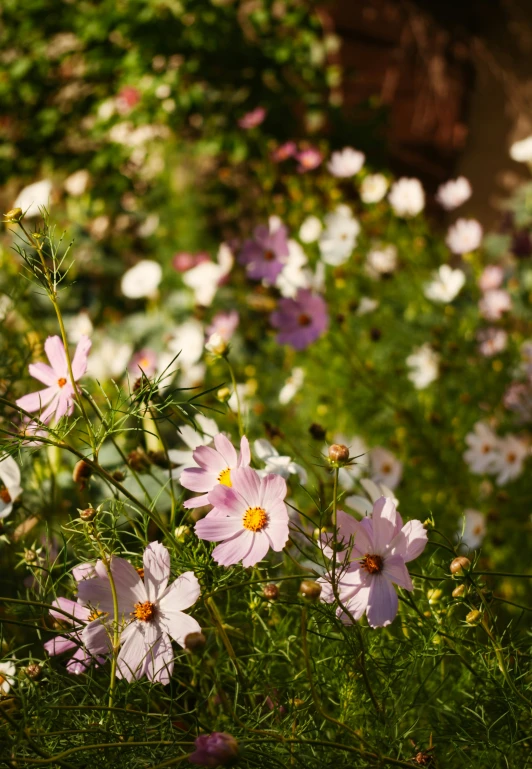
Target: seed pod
88,515
460,565
119,476
82,473
33,671
309,589
460,591
13,215
223,394
270,592
474,617
195,642
338,454
138,460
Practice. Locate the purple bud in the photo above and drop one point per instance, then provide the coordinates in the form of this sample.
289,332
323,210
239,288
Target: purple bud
215,749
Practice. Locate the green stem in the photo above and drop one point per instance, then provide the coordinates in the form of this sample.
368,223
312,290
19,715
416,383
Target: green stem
238,405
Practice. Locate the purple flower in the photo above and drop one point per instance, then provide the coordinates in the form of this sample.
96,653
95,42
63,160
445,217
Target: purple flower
215,466
377,550
150,612
214,749
301,320
252,119
224,324
264,256
308,160
58,397
248,517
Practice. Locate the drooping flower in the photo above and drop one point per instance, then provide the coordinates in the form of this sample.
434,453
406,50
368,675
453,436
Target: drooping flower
521,151
292,385
265,255
150,613
453,193
339,237
495,303
224,323
192,439
205,278
424,364
248,518
213,750
373,188
481,454
58,397
301,320
10,487
385,467
141,280
474,529
81,660
253,118
492,277
7,676
34,197
215,467
446,284
407,197
509,457
308,160
346,163
376,551
310,230
464,236
277,464
492,341
381,260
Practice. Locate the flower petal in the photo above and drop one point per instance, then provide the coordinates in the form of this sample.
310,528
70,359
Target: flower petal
278,533
215,528
179,625
160,661
198,479
37,400
245,452
132,657
96,638
43,373
79,363
156,570
384,518
410,541
59,644
181,594
382,602
233,550
259,548
272,490
246,482
226,450
56,355
71,607
395,570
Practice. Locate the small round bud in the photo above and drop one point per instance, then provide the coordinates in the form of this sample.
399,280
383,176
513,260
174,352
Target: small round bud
223,394
460,565
31,556
13,215
119,476
217,345
160,459
297,702
270,592
195,642
474,617
338,454
88,515
460,591
33,671
181,532
434,595
138,460
82,473
309,589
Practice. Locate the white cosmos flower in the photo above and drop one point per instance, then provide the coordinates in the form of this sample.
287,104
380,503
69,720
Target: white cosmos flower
293,276
481,454
10,487
7,676
78,325
446,285
364,505
385,467
142,280
275,463
346,163
521,151
310,230
292,385
453,193
474,529
109,359
188,340
373,188
77,183
424,363
510,454
339,238
216,344
366,305
464,236
34,197
381,260
205,278
407,197
192,439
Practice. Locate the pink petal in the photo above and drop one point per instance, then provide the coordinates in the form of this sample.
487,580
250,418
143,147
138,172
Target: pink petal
181,594
37,400
43,373
56,355
232,550
65,404
356,604
215,528
198,479
382,602
258,550
245,452
129,586
96,592
59,644
50,410
160,661
226,449
96,637
411,541
247,483
210,460
273,489
132,657
83,571
226,501
156,570
79,662
395,570
383,520
79,363
200,501
179,625
278,534
72,607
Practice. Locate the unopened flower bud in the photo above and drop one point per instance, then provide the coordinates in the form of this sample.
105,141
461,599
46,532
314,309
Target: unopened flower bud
88,515
181,532
223,394
82,473
30,556
434,595
195,642
474,617
270,592
119,476
338,454
33,671
13,215
138,460
216,749
460,565
216,344
310,589
160,459
460,591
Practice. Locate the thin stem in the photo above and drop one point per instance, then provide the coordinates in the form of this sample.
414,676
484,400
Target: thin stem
237,396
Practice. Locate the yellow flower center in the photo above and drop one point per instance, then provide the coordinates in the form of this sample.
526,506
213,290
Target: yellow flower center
140,571
372,563
144,611
2,679
61,382
255,518
95,613
225,477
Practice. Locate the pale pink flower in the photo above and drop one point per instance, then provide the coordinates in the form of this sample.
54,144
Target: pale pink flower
492,341
143,362
215,467
464,235
150,613
492,277
385,467
224,323
284,151
376,551
252,119
453,193
58,396
81,659
308,160
510,455
494,304
213,750
249,518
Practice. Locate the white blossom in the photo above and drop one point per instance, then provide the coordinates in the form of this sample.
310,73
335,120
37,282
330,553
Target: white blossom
381,260
310,230
424,363
10,487
292,385
142,280
346,163
446,284
521,151
474,529
407,197
385,467
373,188
464,236
453,193
275,463
34,197
481,454
205,278
339,238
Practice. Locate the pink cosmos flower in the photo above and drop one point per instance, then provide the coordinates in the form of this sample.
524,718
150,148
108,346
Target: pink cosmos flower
492,277
214,749
183,261
143,362
492,341
215,467
308,160
252,119
283,152
58,397
301,320
224,324
495,303
378,549
150,613
264,256
248,517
